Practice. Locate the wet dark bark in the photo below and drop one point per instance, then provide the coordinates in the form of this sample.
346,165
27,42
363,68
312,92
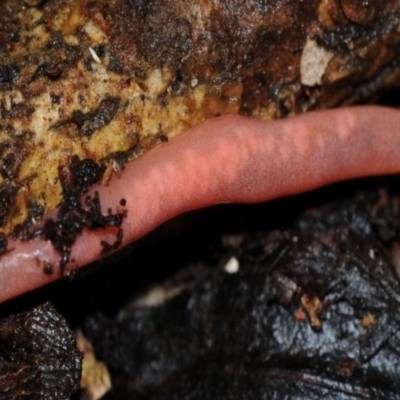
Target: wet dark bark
312,312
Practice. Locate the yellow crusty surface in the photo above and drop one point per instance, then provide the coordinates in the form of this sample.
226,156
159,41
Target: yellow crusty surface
107,80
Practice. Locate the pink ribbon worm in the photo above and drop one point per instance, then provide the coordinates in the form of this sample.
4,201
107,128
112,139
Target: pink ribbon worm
227,159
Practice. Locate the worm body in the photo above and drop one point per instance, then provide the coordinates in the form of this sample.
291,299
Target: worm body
226,159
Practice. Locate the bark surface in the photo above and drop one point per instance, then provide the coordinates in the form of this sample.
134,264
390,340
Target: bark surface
107,80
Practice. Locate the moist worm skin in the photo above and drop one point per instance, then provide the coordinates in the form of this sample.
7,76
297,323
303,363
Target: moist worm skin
227,159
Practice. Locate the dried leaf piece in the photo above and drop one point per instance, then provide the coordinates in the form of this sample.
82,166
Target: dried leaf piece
39,358
96,380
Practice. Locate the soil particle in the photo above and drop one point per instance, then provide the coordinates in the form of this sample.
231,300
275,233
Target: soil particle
88,123
75,213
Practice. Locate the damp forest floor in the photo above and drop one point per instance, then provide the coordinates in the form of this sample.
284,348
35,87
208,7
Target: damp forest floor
297,297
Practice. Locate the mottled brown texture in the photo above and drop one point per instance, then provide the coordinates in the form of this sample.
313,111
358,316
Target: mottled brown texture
94,79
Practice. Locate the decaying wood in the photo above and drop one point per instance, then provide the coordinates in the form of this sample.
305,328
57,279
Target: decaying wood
106,80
